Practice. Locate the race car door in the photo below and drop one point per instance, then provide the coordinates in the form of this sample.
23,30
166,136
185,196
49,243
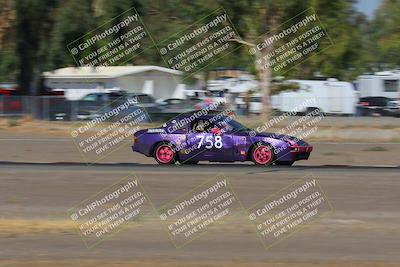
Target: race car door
204,144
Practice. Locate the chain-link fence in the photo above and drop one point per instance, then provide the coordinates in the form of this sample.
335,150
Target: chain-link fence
38,107
58,108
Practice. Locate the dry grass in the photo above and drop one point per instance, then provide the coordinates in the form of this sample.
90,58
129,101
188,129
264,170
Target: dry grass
340,131
376,149
19,226
170,263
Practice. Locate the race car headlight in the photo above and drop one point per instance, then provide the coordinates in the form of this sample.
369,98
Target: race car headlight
294,147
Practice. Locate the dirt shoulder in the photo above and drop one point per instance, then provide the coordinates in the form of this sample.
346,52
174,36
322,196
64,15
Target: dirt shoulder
333,129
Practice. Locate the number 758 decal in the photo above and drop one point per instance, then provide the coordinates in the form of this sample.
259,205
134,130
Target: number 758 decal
210,141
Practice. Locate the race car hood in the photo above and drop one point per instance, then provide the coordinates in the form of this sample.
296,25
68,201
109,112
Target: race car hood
283,137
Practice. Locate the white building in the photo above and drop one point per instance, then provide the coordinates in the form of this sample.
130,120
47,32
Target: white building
384,83
160,82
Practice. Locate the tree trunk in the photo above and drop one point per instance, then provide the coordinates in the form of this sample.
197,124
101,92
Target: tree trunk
264,74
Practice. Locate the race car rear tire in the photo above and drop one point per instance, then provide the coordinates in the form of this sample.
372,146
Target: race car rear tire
284,163
165,154
262,154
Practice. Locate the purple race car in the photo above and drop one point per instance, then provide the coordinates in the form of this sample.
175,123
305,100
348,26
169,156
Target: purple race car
189,139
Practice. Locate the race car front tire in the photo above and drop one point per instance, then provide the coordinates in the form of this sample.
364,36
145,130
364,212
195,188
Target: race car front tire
262,154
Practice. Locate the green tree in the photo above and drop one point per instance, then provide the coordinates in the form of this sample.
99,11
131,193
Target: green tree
72,20
44,28
8,59
341,22
385,34
31,29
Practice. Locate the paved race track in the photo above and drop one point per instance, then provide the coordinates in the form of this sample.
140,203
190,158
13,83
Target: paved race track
362,229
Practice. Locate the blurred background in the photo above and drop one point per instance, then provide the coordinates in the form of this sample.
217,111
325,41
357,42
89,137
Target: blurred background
45,95
356,76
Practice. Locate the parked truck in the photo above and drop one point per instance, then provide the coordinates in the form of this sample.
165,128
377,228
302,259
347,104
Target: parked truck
329,96
382,84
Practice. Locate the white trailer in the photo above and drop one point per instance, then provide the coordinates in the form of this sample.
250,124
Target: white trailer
385,83
330,96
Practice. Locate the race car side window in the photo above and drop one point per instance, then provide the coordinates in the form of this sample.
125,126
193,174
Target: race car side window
198,126
202,126
209,127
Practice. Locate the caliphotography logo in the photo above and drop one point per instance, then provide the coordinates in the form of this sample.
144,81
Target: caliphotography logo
290,43
104,214
290,209
112,43
202,43
203,208
199,133
109,128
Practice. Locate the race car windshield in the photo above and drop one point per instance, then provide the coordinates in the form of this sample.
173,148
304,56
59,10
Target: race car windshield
235,126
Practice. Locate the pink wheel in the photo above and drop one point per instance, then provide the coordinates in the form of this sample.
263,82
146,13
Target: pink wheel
262,155
164,154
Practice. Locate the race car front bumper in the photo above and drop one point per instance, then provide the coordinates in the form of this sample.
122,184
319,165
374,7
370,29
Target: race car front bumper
300,152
